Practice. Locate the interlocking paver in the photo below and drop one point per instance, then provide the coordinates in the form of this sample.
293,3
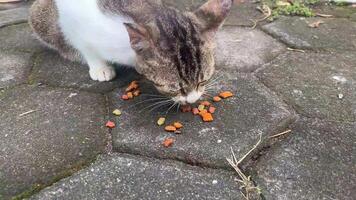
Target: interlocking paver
128,177
13,16
295,32
244,49
52,69
65,132
19,38
313,83
238,122
14,68
317,161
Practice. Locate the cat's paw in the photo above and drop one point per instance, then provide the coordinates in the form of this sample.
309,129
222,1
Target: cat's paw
102,74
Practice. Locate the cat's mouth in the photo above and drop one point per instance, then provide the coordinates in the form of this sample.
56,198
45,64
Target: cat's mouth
191,98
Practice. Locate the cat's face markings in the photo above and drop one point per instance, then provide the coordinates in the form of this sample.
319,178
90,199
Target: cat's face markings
175,51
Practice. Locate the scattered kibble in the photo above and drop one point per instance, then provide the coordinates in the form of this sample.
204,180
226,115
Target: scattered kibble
117,112
125,97
137,93
212,109
207,117
161,121
205,103
133,86
203,112
170,128
130,95
216,99
186,108
168,142
110,124
195,111
201,107
178,125
226,95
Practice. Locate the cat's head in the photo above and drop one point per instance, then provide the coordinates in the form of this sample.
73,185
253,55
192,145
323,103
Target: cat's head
176,50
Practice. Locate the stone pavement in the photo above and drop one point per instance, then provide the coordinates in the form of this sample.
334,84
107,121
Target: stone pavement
53,143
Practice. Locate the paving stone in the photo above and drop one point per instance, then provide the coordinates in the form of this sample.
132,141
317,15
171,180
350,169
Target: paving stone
333,34
13,16
240,15
312,82
8,6
237,124
336,11
245,49
53,70
127,177
19,37
14,68
37,149
317,161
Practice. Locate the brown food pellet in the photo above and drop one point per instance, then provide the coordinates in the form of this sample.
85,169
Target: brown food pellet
168,142
125,97
130,95
212,109
170,128
186,108
178,125
137,93
133,86
205,103
203,112
195,111
216,99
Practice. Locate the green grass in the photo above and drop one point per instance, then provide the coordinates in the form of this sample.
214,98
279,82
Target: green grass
298,8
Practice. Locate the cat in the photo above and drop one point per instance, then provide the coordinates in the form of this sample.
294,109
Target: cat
173,49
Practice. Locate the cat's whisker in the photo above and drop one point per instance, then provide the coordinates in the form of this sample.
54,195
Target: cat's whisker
159,106
154,104
170,108
147,100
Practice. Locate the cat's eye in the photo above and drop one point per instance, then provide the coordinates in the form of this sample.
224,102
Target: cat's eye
202,83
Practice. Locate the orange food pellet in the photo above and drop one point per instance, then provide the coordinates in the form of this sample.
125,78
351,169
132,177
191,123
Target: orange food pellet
130,95
178,125
168,142
195,111
226,94
207,117
110,124
216,99
133,86
136,93
125,97
170,128
205,103
212,109
203,112
186,108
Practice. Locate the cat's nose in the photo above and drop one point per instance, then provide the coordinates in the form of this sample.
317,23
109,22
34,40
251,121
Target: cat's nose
193,96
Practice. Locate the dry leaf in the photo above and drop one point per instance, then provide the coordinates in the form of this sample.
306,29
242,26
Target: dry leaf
316,24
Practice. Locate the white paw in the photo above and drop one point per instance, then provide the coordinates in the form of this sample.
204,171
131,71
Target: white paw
102,74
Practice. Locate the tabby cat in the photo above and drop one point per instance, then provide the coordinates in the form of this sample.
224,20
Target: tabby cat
172,49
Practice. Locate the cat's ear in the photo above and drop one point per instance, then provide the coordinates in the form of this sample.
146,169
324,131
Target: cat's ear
212,14
139,37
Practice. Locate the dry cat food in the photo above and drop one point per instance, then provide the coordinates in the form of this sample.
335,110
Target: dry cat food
131,91
170,128
178,125
168,142
161,121
226,94
116,112
110,124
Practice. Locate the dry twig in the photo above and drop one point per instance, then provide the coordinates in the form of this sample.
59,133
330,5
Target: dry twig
298,50
267,12
280,134
247,183
27,113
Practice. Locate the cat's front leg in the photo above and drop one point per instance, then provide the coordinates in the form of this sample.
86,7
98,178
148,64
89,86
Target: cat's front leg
99,69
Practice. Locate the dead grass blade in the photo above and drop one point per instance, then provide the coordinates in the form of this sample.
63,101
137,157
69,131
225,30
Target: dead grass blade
247,184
